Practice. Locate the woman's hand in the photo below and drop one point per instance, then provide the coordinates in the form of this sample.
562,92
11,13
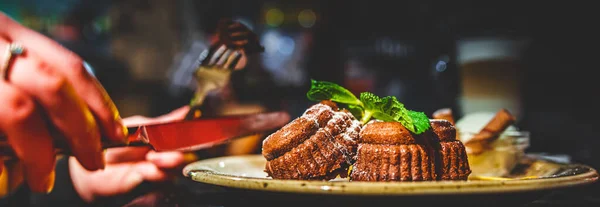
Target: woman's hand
128,167
49,90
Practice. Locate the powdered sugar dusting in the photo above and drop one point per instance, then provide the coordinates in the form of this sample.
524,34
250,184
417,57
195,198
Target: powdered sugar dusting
352,132
312,113
334,123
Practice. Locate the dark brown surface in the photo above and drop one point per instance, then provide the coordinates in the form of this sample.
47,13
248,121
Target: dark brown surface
453,162
288,137
378,162
389,152
313,159
295,153
386,133
444,131
395,133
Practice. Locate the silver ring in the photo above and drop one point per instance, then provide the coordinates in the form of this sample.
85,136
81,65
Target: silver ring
13,49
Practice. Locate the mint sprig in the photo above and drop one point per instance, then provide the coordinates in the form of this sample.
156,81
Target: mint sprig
370,106
323,90
419,121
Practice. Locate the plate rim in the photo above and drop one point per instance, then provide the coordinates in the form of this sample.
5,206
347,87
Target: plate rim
383,188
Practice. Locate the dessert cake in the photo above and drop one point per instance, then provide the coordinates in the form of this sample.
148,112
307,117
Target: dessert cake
319,145
387,151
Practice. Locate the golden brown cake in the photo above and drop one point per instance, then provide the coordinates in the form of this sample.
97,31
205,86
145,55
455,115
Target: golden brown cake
318,145
387,151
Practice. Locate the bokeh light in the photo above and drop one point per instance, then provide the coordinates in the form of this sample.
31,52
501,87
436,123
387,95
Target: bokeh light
274,17
307,18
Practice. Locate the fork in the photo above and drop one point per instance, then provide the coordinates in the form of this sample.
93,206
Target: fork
214,71
216,64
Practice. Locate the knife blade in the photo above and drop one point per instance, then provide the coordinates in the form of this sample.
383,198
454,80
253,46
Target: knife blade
185,135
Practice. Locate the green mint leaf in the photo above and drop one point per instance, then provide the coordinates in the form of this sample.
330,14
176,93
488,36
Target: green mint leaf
390,109
391,106
383,116
357,111
370,101
323,90
369,105
420,121
408,124
385,109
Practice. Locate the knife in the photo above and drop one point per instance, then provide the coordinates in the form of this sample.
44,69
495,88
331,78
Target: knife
185,135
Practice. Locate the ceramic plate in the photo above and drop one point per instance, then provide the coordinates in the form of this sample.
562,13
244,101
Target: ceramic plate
246,172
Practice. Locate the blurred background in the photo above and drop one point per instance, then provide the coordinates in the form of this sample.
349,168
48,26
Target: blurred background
535,59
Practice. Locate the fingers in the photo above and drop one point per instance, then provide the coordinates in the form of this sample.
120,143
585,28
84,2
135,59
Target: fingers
136,120
235,33
71,66
68,112
101,106
22,123
138,154
114,180
165,159
239,36
126,154
150,172
177,114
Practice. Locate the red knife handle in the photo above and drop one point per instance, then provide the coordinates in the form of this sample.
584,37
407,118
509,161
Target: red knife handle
62,148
